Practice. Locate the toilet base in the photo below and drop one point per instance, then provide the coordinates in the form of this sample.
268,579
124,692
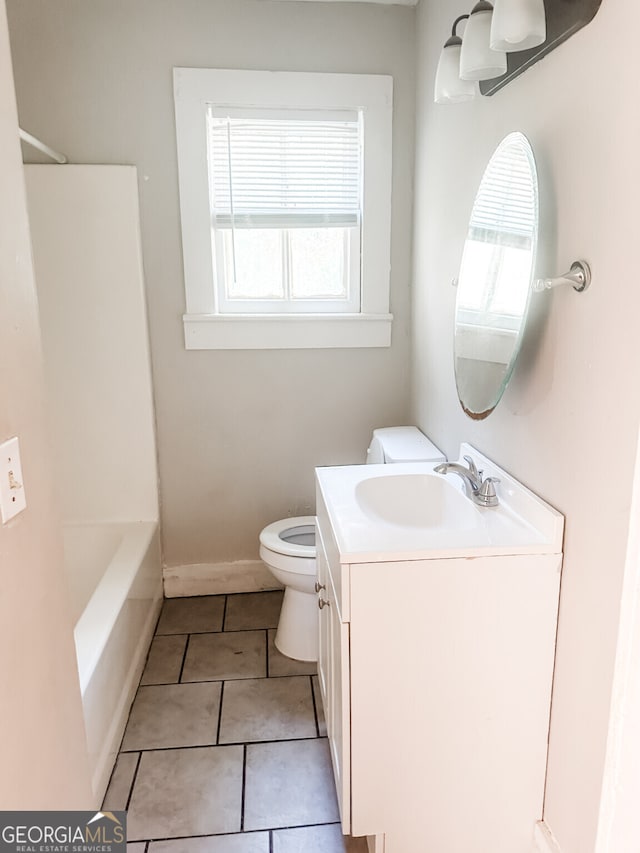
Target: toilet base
297,634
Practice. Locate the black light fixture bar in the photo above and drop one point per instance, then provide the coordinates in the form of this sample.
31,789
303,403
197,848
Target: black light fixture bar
564,18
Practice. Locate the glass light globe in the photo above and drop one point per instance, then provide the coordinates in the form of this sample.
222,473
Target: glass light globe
477,59
449,88
518,25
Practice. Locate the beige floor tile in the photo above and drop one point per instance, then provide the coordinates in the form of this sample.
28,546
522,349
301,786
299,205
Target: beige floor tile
238,654
355,845
165,659
173,715
280,664
191,615
289,784
245,842
136,847
316,839
253,610
267,709
117,795
184,792
322,723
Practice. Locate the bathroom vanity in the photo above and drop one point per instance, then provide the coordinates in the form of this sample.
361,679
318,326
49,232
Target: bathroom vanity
437,638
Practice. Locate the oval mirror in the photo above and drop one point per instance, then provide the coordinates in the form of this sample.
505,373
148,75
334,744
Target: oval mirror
494,284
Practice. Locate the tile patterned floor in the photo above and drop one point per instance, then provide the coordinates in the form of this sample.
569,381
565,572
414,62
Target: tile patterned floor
225,750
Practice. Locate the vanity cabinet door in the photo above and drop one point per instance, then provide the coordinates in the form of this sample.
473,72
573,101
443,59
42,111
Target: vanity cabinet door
340,731
324,654
333,675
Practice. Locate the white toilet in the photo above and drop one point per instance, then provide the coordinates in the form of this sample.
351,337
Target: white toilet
288,547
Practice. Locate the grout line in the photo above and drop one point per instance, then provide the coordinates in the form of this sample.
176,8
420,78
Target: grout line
266,649
286,675
184,658
224,612
315,710
270,841
146,660
220,715
182,633
155,630
244,784
303,825
218,680
244,630
113,770
227,678
133,781
126,726
187,597
246,832
232,743
220,631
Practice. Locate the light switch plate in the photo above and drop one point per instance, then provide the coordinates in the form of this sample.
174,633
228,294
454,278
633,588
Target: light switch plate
12,496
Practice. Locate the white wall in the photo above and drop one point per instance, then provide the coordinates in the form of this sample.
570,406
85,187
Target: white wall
619,816
44,755
86,246
567,426
239,432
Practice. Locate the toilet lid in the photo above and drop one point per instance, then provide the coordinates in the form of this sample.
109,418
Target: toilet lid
295,537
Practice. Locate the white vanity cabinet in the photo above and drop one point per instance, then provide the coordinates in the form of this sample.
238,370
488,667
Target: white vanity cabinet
436,679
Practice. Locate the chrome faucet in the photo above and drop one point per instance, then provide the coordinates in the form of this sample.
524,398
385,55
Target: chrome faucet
481,492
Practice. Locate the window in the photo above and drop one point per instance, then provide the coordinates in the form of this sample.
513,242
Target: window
285,185
285,194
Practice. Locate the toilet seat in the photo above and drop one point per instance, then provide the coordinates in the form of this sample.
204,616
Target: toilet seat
284,537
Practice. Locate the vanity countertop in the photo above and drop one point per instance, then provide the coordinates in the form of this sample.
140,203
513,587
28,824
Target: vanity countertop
522,523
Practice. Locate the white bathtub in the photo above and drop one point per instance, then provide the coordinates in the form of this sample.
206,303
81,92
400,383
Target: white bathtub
115,581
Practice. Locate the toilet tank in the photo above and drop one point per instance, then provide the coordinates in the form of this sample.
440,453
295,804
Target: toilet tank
402,444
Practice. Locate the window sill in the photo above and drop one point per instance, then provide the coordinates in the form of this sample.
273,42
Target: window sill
286,331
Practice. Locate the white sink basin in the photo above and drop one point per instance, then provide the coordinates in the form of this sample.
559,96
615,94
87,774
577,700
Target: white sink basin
417,500
407,512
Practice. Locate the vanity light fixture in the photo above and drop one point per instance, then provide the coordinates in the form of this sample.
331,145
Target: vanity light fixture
579,277
449,87
478,60
518,25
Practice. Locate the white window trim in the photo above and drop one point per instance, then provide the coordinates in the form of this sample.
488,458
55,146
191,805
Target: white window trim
194,89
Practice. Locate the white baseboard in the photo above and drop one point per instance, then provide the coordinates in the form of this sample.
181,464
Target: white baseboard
543,840
217,578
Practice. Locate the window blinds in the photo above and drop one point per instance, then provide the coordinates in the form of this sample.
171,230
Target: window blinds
284,172
506,206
